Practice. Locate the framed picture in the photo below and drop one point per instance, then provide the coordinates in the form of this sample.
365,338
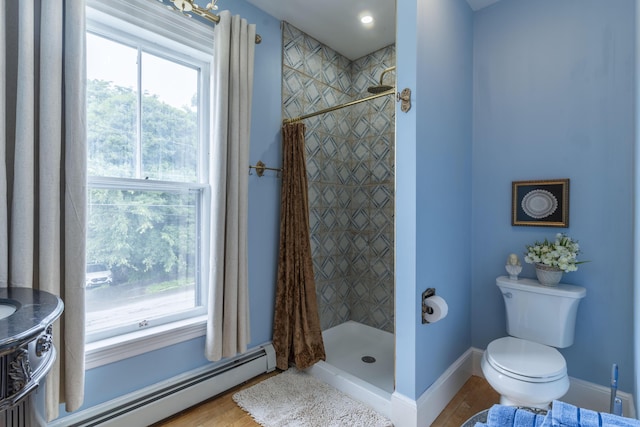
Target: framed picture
540,203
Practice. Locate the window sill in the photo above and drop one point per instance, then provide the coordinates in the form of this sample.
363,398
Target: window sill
114,349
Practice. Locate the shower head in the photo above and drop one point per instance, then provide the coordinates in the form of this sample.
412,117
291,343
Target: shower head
381,87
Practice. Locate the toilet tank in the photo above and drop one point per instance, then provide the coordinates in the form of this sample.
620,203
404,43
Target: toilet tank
543,314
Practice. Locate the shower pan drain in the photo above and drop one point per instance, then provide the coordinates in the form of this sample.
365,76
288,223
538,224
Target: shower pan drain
368,359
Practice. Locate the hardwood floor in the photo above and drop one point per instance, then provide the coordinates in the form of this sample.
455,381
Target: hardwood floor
218,411
473,397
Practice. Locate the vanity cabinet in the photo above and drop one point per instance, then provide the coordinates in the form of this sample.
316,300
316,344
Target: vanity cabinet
26,352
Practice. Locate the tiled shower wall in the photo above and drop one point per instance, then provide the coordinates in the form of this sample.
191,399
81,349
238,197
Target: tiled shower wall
350,167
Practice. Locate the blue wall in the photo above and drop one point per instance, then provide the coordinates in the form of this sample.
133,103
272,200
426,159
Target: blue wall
433,185
636,258
521,90
554,98
116,379
405,209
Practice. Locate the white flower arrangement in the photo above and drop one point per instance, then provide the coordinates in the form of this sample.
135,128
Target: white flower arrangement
562,253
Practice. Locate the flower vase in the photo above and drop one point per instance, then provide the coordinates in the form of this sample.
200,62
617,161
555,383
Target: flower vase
548,276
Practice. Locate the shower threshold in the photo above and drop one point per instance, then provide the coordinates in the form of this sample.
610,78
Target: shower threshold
359,363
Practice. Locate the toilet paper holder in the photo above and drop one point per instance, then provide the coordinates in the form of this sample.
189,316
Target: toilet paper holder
425,309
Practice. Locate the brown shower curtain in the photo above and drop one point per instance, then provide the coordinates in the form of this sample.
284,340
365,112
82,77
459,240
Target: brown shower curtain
297,336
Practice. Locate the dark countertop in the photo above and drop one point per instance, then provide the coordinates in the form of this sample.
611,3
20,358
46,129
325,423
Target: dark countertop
35,311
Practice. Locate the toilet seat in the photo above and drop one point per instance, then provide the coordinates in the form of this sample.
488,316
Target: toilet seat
526,360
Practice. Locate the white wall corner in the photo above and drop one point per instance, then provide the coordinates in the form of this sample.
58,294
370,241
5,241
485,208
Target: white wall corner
406,412
476,358
597,397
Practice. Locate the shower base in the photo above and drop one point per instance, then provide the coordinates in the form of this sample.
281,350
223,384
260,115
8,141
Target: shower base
368,381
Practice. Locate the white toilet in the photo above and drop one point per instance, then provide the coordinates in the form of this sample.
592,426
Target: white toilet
524,367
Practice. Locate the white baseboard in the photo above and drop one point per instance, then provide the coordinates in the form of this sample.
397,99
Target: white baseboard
404,411
158,401
423,411
596,397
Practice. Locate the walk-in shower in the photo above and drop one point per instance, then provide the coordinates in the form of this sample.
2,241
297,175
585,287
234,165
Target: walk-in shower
349,143
360,362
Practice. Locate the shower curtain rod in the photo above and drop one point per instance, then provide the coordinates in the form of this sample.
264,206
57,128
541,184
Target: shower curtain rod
338,107
188,6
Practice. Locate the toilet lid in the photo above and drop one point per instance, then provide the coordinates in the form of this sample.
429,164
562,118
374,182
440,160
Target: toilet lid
526,360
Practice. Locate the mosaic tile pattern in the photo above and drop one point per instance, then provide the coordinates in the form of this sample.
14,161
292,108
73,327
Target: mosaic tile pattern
350,166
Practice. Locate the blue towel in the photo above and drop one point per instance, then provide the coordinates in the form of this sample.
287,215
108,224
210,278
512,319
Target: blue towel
561,415
565,415
500,415
616,420
508,416
528,418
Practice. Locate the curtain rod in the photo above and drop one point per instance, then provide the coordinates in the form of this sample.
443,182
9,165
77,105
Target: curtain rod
338,107
188,6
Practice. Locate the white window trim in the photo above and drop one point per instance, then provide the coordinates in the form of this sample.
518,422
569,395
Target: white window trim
146,20
124,346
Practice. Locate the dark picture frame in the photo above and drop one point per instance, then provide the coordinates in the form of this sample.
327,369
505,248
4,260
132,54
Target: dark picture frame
541,203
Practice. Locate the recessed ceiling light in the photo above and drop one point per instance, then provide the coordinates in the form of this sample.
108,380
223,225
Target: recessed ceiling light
367,19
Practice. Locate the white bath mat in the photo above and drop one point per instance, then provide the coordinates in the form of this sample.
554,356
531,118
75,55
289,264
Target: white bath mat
296,399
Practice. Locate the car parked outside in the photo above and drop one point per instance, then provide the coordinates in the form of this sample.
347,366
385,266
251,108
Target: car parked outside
98,275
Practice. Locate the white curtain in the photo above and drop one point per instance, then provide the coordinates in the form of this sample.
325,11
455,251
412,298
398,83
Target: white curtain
43,171
228,318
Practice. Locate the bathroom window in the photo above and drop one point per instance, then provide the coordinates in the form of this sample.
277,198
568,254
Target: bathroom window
148,197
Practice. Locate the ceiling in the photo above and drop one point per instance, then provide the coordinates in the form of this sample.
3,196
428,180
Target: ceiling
336,23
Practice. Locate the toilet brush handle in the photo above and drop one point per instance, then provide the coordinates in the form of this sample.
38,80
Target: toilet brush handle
614,387
617,407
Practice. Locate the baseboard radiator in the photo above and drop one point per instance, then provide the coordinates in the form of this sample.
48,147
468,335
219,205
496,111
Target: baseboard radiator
161,400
